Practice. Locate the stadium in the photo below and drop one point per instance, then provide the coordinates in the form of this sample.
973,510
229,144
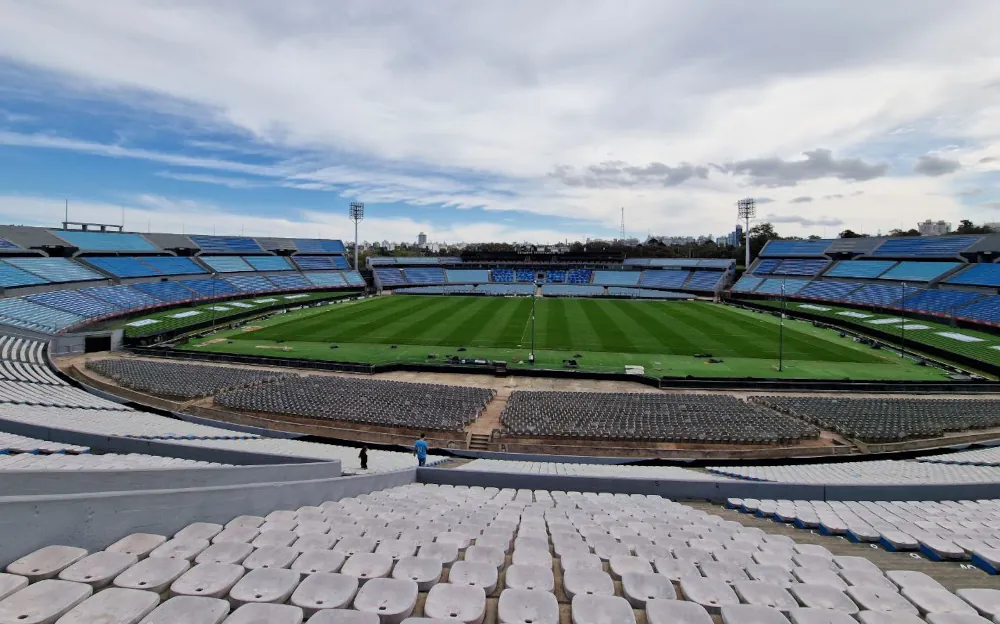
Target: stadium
613,439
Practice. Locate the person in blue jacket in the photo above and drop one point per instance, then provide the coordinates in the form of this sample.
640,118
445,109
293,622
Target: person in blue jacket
420,450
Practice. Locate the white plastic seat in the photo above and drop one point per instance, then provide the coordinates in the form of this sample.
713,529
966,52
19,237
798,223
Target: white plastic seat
43,602
313,561
254,522
152,574
270,613
474,574
661,611
580,561
909,578
935,600
624,564
423,571
693,555
465,603
314,541
355,545
884,617
392,600
589,609
343,616
274,538
880,599
189,610
271,557
850,562
864,578
985,601
819,616
445,553
238,533
813,576
113,606
641,587
899,540
46,562
587,582
98,569
752,614
199,530
723,572
606,549
211,580
459,541
138,544
225,552
312,527
530,577
677,571
324,591
956,618
366,566
522,606
264,585
10,583
986,559
940,549
396,549
532,557
180,549
531,543
708,593
770,574
765,595
823,597
484,554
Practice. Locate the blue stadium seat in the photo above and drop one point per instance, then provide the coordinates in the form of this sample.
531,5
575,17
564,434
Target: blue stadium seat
467,276
319,245
774,286
224,244
716,263
928,246
645,293
122,296
251,283
619,278
123,266
169,265
268,263
778,248
226,264
326,279
503,275
56,269
504,290
747,284
322,263
447,289
209,288
636,262
801,267
939,301
166,291
704,280
571,290
20,313
12,277
104,241
354,279
864,269
829,291
919,271
986,309
525,275
424,275
290,282
684,263
390,277
877,295
978,275
6,244
578,276
74,302
381,261
664,278
555,277
766,267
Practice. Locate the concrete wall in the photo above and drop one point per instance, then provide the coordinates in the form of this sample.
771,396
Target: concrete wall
94,521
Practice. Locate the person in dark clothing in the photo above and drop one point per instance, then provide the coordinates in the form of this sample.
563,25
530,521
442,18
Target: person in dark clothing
363,456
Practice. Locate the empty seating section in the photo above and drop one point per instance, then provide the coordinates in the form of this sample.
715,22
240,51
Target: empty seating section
107,461
124,297
12,277
829,291
525,275
6,244
381,261
105,241
939,301
21,313
570,290
578,276
370,401
226,264
123,266
354,279
268,263
619,278
930,246
664,278
794,248
250,283
782,286
504,290
169,265
319,245
986,309
765,267
390,277
800,267
76,303
11,443
166,291
747,283
55,269
321,263
878,295
919,271
424,275
889,419
503,275
209,288
467,276
226,244
981,274
864,269
555,277
290,282
704,280
326,279
645,293
861,473
176,379
649,416
445,289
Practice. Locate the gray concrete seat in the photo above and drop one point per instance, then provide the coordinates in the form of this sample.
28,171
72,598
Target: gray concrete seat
819,616
355,546
935,600
459,541
677,571
474,574
823,597
723,572
773,560
899,540
587,582
580,561
531,556
324,591
608,548
281,515
138,544
530,577
813,561
211,580
985,601
693,555
254,522
641,587
152,574
43,602
271,557
423,571
736,558
445,553
269,613
279,525
397,548
189,610
850,562
765,595
588,609
880,599
199,530
884,617
708,593
392,600
264,585
225,552
312,527
910,578
243,534
813,576
485,554
461,602
864,578
10,583
662,611
274,538
98,569
343,616
366,566
313,561
500,543
623,564
522,606
531,543
956,618
940,549
770,574
45,563
813,549
180,549
752,614
418,536
314,541
113,606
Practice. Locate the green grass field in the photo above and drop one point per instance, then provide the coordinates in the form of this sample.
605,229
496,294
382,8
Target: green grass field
663,337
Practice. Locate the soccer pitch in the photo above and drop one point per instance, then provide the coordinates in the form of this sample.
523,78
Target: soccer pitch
602,335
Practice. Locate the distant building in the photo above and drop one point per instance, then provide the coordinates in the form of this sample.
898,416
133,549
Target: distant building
421,239
933,228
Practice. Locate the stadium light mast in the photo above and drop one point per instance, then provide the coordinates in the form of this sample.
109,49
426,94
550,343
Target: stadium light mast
902,326
531,356
781,329
746,209
357,213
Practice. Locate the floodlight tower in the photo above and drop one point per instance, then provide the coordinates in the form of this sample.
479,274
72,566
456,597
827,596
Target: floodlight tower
357,213
746,208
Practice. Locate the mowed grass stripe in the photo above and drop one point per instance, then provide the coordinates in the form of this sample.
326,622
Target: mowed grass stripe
506,327
607,334
467,326
678,337
366,326
556,333
411,328
642,334
584,334
332,324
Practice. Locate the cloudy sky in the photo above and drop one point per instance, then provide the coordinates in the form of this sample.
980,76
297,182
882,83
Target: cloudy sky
514,120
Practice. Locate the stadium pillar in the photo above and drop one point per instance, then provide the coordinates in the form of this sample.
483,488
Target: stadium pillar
781,330
531,356
902,326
